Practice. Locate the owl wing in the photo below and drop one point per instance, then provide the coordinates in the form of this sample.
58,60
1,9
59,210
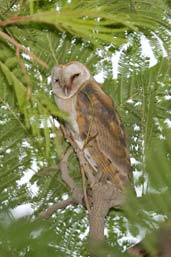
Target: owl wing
102,133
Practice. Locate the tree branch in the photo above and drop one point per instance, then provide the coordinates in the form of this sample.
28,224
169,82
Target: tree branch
20,47
45,214
77,195
76,192
13,20
103,194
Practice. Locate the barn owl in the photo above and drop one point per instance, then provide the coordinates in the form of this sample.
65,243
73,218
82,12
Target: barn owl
94,123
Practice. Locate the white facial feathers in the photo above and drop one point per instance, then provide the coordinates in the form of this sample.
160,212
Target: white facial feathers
67,79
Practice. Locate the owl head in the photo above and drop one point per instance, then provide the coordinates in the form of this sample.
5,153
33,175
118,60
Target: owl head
68,78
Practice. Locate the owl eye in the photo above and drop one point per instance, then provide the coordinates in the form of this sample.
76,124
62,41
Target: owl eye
56,80
74,76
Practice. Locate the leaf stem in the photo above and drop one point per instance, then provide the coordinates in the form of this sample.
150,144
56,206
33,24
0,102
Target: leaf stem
24,49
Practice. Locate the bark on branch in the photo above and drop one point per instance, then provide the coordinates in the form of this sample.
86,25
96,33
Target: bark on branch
77,195
45,214
99,195
103,195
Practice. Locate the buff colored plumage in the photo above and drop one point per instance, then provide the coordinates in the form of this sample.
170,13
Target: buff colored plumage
95,124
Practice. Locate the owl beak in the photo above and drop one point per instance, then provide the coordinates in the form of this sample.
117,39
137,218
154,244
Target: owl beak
66,91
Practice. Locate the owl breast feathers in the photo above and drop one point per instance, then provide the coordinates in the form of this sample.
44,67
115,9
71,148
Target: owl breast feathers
96,128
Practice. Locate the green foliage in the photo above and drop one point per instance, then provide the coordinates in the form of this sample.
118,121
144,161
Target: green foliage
91,32
34,234
152,210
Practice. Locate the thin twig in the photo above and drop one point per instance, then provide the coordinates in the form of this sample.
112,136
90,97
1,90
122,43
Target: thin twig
13,20
77,195
24,49
13,114
63,166
27,79
84,190
10,6
45,214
